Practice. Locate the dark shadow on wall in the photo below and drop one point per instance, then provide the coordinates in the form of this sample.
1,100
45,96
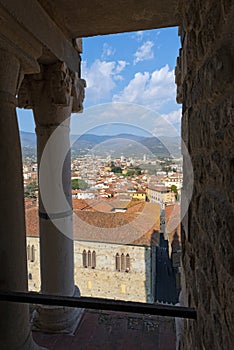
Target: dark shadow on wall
165,287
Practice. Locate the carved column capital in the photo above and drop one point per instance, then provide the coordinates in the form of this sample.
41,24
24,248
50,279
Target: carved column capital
56,85
78,93
59,81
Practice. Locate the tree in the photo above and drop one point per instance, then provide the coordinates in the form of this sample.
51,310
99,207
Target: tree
116,169
30,189
138,172
134,171
79,184
175,190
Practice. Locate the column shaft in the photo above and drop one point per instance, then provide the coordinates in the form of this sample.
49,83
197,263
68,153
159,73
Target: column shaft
57,258
52,102
14,318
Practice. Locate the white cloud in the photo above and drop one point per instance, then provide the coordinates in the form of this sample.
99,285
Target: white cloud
168,124
173,117
144,52
133,115
107,51
139,35
100,78
150,89
120,66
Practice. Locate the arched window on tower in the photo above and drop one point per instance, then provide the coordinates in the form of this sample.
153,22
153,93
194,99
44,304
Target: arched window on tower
123,265
32,258
127,263
117,262
84,258
93,260
89,259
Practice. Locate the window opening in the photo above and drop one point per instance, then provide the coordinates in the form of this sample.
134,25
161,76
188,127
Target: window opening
117,262
127,263
32,258
93,260
84,257
123,262
89,259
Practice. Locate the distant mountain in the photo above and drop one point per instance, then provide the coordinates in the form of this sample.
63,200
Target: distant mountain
28,144
173,144
28,139
115,145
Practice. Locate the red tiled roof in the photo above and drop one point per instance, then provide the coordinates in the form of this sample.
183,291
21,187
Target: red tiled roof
30,202
136,225
172,213
80,204
117,227
158,188
32,222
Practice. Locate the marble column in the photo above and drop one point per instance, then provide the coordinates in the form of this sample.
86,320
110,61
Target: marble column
53,94
14,318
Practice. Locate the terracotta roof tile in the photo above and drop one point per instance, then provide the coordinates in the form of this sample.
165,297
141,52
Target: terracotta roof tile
173,220
32,222
133,226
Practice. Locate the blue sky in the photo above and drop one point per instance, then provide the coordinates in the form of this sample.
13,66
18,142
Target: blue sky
134,68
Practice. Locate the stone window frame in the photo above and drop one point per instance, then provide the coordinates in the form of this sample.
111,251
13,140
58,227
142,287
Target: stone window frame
93,259
33,255
122,262
117,262
89,259
84,258
128,263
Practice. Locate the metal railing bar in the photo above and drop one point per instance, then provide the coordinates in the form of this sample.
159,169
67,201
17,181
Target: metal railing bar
99,304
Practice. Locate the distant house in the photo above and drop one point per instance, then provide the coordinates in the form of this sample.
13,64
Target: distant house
175,179
140,195
160,194
88,194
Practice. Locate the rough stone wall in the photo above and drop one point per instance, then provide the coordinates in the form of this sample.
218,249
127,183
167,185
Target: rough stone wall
34,284
205,78
105,282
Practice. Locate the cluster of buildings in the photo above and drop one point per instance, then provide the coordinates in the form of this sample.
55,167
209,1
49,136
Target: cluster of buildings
29,172
126,234
115,251
105,183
